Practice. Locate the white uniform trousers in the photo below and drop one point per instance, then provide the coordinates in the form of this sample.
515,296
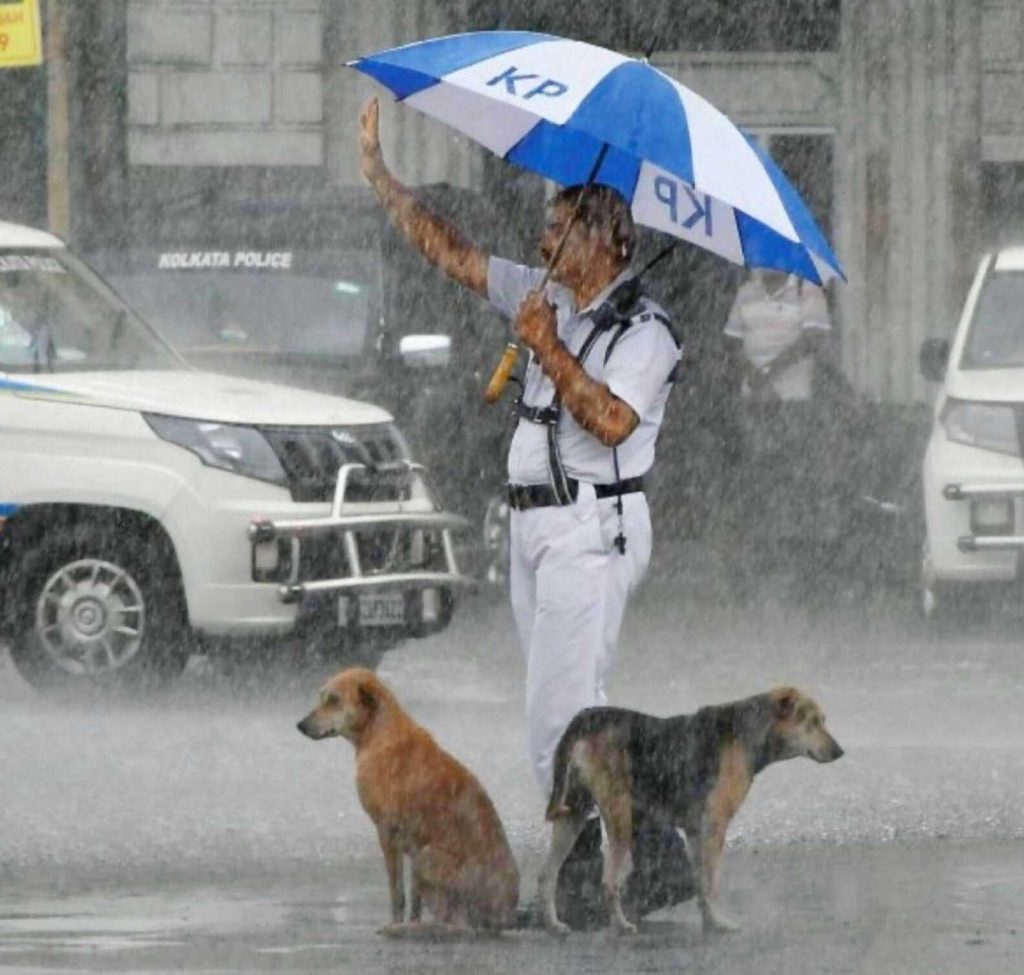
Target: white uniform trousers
569,586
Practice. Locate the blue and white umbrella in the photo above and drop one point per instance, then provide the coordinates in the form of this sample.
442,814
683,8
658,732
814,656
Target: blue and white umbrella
553,106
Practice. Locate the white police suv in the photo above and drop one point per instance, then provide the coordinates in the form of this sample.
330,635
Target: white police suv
974,465
144,503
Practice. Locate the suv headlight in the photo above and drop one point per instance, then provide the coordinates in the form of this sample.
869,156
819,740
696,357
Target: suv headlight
238,449
990,426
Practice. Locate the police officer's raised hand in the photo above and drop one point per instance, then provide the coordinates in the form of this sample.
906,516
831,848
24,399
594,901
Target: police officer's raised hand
371,160
536,324
435,238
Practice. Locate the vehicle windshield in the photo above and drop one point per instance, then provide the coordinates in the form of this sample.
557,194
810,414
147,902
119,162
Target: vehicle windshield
56,315
272,307
996,338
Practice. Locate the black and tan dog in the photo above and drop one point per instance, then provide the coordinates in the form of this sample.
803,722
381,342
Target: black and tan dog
690,771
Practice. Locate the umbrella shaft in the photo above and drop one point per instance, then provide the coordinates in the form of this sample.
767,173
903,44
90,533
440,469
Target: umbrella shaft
572,220
499,378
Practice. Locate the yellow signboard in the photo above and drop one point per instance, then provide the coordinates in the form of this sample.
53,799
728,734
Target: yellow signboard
21,39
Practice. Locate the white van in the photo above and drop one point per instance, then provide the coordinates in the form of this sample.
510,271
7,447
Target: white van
974,465
144,502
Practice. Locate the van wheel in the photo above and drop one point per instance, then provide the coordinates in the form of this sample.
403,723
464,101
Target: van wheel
98,611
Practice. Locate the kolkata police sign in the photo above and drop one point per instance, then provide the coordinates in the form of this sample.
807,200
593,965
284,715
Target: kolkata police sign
219,260
21,41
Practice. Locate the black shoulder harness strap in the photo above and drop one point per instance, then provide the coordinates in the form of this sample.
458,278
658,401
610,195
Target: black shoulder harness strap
619,310
624,307
556,469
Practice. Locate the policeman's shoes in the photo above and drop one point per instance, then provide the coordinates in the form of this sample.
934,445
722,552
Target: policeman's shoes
579,898
661,876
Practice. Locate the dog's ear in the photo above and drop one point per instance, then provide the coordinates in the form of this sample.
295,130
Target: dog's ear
367,697
786,700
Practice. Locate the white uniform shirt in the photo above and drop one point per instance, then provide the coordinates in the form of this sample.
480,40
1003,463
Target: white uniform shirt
636,373
767,323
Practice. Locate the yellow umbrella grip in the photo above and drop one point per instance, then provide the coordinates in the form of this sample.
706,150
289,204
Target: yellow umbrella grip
499,378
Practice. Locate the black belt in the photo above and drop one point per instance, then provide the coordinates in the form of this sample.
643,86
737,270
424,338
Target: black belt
523,496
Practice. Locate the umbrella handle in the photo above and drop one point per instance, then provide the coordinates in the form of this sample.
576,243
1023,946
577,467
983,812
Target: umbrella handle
509,358
499,378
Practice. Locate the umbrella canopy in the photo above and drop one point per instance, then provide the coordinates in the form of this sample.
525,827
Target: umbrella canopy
559,107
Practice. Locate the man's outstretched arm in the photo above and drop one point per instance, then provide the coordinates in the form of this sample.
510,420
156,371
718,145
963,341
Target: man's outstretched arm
436,239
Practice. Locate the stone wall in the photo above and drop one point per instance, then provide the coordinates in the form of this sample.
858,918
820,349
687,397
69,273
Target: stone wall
264,83
419,149
223,82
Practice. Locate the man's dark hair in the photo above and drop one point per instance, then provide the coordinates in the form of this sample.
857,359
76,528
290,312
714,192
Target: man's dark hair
604,209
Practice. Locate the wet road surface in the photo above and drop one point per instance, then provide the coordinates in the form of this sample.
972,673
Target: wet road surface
203,833
828,910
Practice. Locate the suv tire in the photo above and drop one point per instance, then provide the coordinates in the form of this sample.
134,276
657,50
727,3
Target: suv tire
93,608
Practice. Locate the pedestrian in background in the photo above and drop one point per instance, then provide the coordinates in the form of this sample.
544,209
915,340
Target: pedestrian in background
778,323
777,329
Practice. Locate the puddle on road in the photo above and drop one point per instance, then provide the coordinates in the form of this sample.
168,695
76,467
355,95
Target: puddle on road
90,924
991,894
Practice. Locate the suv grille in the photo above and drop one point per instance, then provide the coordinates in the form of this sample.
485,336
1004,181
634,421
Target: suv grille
384,551
311,457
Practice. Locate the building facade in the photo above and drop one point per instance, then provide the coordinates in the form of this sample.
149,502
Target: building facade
903,124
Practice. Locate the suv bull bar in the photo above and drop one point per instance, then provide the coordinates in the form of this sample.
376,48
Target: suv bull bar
992,539
263,531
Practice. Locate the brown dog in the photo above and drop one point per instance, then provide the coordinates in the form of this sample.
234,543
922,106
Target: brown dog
690,771
425,805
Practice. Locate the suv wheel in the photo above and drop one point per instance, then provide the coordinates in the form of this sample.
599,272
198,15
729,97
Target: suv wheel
97,610
950,608
928,599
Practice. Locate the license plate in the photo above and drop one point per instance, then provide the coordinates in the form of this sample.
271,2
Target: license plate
376,609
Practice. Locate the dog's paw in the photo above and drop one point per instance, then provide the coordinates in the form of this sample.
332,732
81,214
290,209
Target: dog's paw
715,922
558,928
397,929
552,924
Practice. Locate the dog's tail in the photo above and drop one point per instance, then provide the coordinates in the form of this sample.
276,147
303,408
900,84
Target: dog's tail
558,803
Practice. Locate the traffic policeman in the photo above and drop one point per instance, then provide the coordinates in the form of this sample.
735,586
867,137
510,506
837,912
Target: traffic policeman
593,399
602,358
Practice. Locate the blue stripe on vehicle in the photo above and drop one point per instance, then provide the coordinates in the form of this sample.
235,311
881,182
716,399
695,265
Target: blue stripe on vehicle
796,210
22,387
764,247
637,109
407,70
6,510
567,157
